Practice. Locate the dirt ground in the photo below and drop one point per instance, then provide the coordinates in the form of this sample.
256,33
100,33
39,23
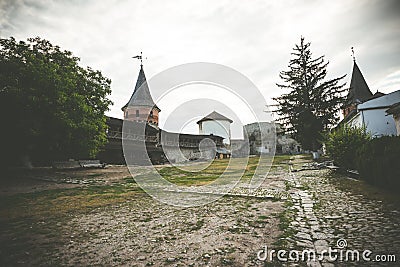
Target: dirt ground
101,217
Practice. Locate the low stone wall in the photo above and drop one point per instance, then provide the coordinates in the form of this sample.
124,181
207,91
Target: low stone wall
183,154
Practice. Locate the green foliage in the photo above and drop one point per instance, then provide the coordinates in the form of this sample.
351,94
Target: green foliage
378,161
50,107
312,103
342,144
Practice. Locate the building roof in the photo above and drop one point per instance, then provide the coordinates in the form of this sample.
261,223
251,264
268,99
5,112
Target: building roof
141,95
114,121
215,116
359,91
376,95
384,101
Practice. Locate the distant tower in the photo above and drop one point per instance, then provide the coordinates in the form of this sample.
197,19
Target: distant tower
359,91
216,124
141,107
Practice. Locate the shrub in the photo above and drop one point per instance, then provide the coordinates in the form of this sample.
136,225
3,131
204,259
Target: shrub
342,144
378,161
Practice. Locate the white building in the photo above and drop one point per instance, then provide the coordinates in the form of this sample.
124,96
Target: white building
364,109
372,115
216,124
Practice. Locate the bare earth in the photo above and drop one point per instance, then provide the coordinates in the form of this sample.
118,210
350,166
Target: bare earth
101,217
138,231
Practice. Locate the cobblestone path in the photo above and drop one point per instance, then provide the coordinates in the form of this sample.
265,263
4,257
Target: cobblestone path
327,211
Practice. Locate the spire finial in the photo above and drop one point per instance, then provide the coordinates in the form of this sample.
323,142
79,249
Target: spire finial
140,57
352,54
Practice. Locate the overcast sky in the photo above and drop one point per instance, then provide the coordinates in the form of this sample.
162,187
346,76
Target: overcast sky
252,37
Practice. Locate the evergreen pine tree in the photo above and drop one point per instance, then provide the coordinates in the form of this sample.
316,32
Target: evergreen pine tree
312,103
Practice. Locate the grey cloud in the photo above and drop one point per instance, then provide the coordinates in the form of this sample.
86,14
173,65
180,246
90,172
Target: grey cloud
254,37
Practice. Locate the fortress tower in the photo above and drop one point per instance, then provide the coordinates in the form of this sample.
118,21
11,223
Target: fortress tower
141,107
359,92
216,124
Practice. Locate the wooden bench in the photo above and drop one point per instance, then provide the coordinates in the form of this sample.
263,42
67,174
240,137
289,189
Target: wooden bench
77,164
91,163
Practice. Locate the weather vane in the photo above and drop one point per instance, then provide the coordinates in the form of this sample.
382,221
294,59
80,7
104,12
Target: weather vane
140,57
352,54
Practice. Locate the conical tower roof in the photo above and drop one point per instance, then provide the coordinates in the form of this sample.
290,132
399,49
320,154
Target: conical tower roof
214,116
141,95
359,91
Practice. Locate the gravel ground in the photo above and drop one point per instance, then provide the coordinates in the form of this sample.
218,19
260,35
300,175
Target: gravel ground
101,217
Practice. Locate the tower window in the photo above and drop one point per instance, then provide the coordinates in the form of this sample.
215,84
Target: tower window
137,113
151,114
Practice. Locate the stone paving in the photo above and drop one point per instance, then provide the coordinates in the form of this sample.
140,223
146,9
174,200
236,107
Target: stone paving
326,216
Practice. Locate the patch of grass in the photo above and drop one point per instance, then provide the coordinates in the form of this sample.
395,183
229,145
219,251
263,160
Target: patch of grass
129,179
146,219
285,218
287,186
282,159
94,175
262,217
60,202
211,173
218,167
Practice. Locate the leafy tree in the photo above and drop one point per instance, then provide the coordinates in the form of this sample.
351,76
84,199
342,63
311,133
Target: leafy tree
50,107
312,103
